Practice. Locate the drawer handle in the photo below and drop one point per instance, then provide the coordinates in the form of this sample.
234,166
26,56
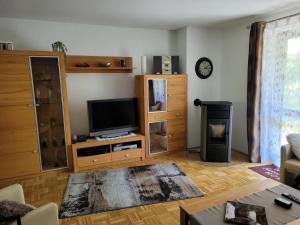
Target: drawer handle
126,156
94,160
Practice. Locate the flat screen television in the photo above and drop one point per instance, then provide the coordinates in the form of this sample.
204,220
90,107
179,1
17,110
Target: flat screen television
112,116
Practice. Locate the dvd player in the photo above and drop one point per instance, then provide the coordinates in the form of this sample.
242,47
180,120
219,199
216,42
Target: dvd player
124,147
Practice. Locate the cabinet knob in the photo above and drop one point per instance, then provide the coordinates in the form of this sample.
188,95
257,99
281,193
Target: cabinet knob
177,114
126,156
30,105
94,160
35,151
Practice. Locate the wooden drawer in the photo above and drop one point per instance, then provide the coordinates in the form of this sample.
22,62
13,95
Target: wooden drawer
15,92
19,164
93,160
126,154
13,141
17,118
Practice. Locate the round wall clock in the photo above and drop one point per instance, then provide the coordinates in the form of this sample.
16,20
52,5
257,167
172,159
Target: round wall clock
204,68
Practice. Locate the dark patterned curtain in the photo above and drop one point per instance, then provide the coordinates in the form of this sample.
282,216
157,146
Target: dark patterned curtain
253,90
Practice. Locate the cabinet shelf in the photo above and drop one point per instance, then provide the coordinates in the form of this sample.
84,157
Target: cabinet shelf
95,62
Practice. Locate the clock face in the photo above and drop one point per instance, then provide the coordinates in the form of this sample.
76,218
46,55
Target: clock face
203,68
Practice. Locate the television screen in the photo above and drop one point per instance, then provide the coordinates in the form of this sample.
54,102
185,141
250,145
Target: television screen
112,116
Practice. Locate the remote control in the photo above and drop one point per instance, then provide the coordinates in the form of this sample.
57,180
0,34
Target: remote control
291,197
283,203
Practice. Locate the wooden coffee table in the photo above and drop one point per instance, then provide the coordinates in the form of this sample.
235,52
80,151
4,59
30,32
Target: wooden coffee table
234,193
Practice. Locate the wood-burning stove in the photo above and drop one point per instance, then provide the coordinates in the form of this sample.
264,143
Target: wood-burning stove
216,130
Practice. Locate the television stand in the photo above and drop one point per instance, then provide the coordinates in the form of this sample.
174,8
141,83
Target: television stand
96,153
121,134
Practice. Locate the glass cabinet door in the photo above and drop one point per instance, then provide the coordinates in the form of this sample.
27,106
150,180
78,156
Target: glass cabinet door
158,137
157,100
49,111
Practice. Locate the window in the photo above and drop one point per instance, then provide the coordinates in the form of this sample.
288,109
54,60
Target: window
280,89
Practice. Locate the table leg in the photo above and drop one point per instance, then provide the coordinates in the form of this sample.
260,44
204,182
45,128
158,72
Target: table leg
184,217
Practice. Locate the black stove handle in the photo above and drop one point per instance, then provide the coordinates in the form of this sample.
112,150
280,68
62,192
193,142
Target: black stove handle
197,102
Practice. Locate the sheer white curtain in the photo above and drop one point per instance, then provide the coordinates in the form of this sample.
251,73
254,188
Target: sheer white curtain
159,86
280,87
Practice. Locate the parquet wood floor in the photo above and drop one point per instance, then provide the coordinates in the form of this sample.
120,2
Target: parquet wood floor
210,177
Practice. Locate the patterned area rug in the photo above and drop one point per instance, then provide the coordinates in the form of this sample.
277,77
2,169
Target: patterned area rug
269,171
101,191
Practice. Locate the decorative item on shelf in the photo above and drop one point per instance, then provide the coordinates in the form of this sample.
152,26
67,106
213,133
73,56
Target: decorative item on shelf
54,142
82,65
99,64
6,45
58,46
53,121
107,64
166,64
49,93
204,68
123,63
143,64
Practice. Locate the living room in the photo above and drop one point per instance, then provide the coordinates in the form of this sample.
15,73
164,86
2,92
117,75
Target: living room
129,112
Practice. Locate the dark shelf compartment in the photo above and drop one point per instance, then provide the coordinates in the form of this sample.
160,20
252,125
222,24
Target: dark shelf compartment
98,150
138,143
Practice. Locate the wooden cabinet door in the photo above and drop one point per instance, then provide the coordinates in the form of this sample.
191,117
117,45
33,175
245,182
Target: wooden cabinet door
177,107
15,81
19,164
19,154
176,94
177,135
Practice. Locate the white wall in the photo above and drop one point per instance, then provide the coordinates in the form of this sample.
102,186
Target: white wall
192,44
233,87
179,46
86,39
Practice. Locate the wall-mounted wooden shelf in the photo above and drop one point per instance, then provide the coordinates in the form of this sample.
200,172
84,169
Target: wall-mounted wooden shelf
95,62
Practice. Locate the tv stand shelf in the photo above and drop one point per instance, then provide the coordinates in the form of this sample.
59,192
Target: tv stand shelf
105,155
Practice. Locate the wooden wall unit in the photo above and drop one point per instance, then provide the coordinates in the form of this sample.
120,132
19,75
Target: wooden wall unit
19,134
95,62
107,156
165,128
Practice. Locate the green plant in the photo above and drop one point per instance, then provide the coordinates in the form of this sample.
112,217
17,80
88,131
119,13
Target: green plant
58,46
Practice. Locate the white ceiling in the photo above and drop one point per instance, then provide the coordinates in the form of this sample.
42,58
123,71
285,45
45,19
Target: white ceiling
163,14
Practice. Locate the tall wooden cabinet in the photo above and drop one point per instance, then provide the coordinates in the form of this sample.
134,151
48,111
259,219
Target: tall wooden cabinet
34,118
163,112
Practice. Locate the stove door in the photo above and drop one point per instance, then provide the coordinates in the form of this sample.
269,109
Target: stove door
217,140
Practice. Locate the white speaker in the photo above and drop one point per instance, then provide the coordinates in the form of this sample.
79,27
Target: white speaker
143,64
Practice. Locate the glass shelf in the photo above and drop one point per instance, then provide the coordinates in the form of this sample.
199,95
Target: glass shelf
157,89
49,110
158,137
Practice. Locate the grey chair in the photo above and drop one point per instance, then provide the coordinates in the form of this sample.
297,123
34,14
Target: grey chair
289,162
